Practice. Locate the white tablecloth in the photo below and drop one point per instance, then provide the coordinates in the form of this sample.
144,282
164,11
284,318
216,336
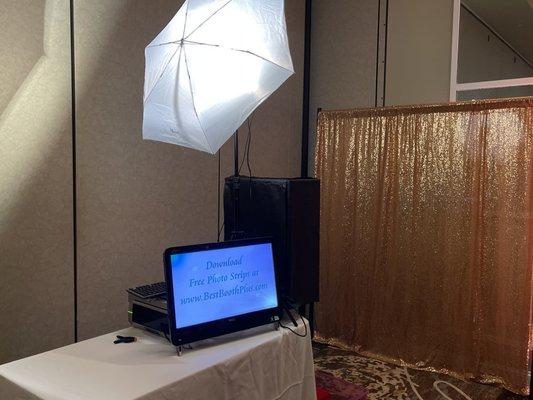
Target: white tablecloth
259,364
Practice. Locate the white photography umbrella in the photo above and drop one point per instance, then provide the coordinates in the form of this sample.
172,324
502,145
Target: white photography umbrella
211,67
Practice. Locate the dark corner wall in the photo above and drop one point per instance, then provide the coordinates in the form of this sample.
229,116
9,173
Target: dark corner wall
86,206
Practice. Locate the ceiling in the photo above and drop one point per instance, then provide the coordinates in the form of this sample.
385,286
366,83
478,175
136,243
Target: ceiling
511,19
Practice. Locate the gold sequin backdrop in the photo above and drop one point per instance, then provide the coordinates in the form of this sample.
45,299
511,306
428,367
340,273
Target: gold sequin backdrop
426,236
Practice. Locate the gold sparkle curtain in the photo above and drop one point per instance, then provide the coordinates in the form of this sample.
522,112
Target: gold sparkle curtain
426,236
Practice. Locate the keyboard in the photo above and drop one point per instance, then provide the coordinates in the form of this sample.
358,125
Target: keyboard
147,291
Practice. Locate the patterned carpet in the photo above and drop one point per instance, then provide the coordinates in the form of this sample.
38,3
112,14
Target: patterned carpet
387,381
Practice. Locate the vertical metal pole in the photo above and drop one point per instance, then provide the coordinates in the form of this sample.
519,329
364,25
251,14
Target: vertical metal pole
74,164
235,233
236,153
307,81
218,198
304,173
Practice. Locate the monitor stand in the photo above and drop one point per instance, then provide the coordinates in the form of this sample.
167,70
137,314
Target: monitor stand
275,323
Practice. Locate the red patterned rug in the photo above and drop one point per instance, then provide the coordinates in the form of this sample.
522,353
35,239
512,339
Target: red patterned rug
338,388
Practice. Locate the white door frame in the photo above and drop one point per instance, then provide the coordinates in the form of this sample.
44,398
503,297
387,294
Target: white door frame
455,49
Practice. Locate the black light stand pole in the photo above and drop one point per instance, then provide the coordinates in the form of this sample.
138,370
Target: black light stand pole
307,81
236,233
236,153
305,123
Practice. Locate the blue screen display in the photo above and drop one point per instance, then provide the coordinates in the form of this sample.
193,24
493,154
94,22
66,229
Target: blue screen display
215,284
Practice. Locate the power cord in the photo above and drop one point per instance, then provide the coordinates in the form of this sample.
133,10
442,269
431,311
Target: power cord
249,123
220,230
436,387
246,155
245,151
293,331
163,328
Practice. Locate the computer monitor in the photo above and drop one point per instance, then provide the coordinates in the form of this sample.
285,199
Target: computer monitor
219,288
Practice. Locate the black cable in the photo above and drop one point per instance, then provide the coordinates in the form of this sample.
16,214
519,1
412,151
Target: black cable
244,155
162,330
245,152
249,142
293,331
220,230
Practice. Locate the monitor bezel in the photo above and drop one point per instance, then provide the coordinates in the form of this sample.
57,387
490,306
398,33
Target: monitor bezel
206,330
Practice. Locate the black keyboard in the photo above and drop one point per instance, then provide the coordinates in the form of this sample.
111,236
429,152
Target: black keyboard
147,291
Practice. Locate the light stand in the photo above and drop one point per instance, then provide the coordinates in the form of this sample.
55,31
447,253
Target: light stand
236,233
305,128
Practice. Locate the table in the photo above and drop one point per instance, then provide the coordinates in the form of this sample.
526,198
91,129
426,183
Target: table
258,364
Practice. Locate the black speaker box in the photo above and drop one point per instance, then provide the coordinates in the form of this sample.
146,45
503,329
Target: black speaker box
287,210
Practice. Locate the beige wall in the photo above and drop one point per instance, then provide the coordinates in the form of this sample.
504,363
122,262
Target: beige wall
36,263
343,57
345,45
135,197
419,51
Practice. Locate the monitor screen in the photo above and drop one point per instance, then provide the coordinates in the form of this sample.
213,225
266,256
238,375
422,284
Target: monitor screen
215,284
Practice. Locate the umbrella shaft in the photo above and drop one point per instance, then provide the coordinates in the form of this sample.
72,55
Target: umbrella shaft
236,153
